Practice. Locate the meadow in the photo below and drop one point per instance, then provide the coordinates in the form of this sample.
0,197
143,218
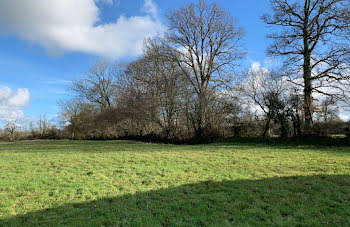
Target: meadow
127,183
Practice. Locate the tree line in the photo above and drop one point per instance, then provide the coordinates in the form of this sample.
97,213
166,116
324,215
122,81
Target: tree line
188,85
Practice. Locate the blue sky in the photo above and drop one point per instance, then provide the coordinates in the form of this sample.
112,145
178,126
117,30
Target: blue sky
39,62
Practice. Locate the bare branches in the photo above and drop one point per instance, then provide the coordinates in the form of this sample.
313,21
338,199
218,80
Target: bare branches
312,32
270,92
205,39
98,85
10,127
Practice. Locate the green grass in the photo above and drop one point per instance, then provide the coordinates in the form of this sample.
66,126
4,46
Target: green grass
124,183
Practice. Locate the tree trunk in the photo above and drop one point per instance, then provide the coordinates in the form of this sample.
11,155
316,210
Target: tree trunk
300,133
284,126
308,100
201,115
12,136
307,72
266,128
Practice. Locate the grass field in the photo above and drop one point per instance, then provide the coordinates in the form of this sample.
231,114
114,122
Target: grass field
124,183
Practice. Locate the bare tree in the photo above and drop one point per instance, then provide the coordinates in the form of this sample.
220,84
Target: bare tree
328,110
205,41
98,85
160,85
77,116
312,42
296,110
269,91
32,129
43,125
10,127
162,82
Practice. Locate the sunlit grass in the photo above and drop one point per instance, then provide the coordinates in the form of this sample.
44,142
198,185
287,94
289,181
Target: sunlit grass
132,183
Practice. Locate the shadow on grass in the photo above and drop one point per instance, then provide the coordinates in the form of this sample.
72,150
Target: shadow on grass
290,142
301,200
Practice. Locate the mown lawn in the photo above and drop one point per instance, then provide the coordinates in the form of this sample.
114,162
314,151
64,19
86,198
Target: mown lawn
124,183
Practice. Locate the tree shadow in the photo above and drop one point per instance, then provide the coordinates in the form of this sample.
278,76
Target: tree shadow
306,142
299,200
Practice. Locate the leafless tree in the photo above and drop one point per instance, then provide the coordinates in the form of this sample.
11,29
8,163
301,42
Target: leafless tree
32,129
269,91
70,114
161,85
78,117
98,85
311,40
11,127
169,88
43,125
296,111
327,117
205,41
328,110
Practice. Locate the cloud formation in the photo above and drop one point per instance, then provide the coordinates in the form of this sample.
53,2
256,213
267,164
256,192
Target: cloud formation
260,71
74,25
12,103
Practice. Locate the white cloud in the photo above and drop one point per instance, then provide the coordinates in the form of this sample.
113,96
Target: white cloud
256,68
344,115
71,25
259,71
151,7
12,103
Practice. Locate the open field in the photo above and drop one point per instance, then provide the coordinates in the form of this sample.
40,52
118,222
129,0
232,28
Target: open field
107,183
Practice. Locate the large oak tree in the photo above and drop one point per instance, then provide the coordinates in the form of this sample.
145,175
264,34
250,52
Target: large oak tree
311,38
205,40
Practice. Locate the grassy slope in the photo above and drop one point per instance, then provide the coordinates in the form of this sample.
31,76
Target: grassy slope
129,183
